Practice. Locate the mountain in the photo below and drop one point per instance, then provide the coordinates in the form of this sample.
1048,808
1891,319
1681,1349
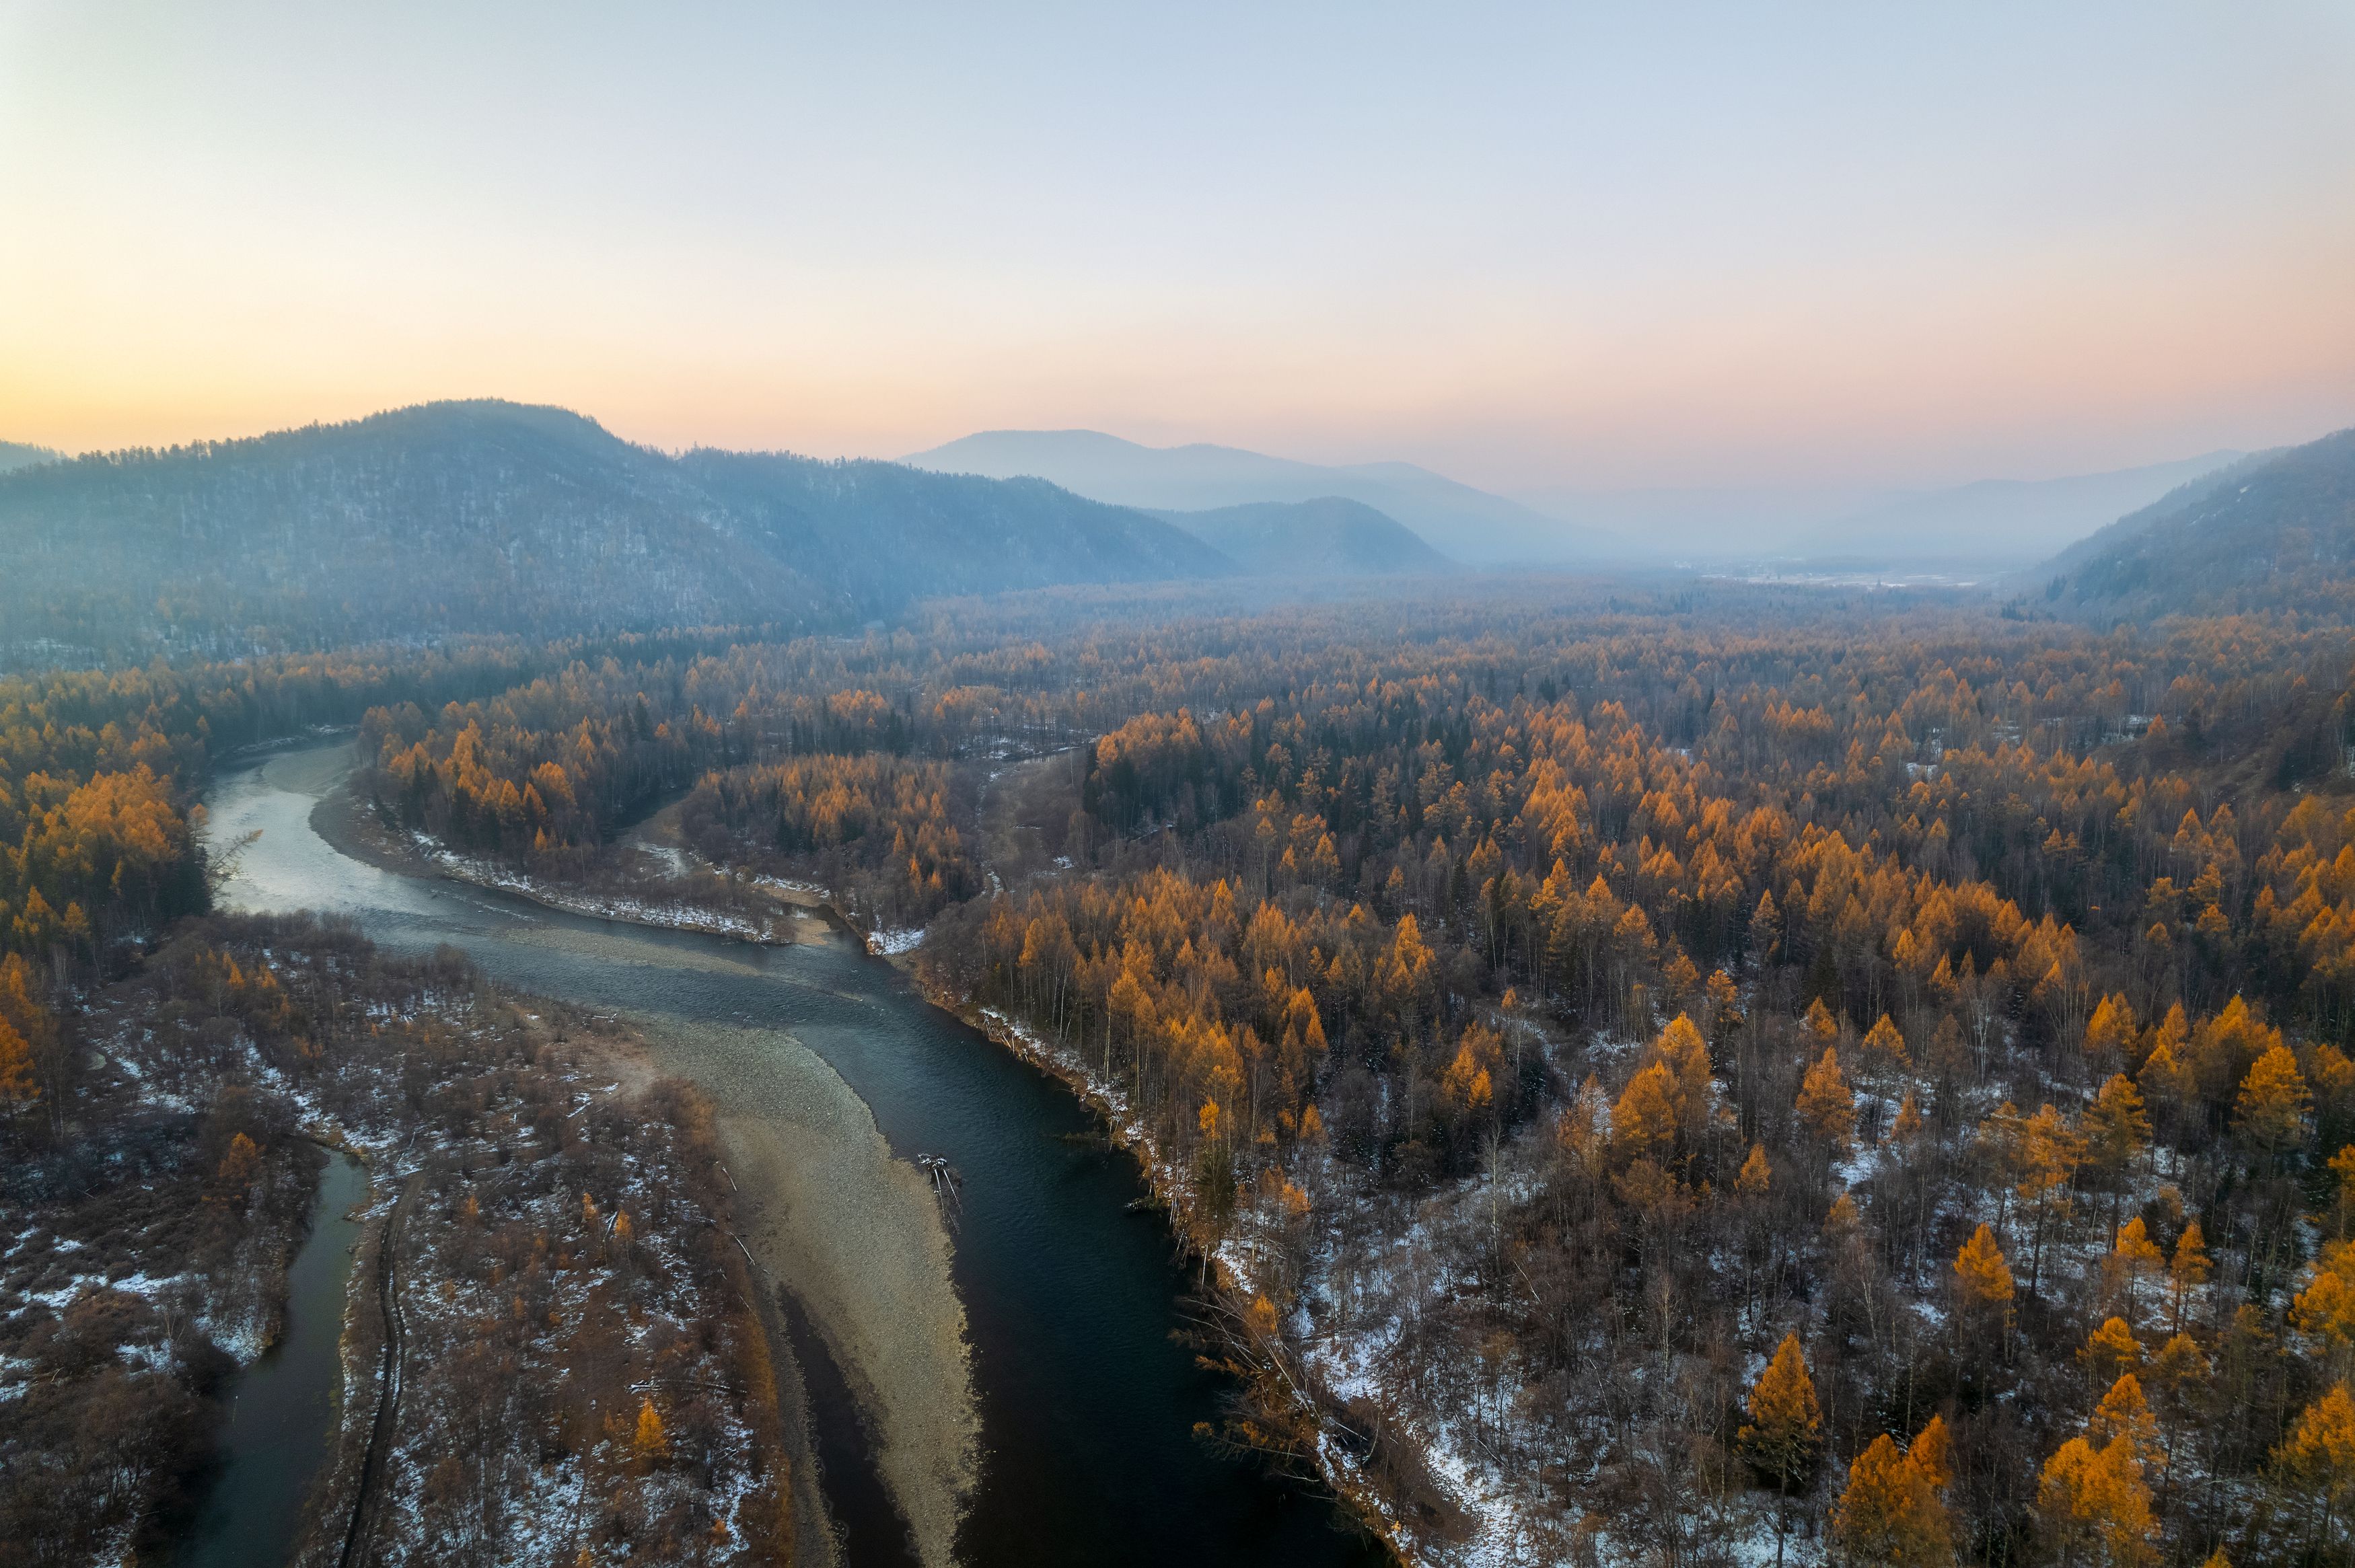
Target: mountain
1988,525
2275,531
1455,519
1329,536
498,517
16,454
2002,522
885,534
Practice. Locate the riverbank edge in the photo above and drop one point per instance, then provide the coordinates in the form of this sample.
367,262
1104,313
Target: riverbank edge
344,822
334,1494
332,1522
339,819
1366,1506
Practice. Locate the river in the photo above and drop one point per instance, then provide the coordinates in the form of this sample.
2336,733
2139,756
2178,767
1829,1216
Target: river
1040,1334
281,1409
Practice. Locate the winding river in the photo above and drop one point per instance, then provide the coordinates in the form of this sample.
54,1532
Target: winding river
1001,1387
282,1406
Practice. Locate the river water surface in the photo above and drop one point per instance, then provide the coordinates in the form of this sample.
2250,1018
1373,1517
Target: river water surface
1069,1298
282,1408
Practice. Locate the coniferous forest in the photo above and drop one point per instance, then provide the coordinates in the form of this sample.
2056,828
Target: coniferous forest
1646,1071
1308,786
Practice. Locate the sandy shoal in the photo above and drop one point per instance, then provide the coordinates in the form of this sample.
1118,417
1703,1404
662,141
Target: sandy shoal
858,1237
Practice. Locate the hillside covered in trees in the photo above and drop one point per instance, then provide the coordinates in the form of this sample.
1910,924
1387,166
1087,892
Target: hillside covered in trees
1676,1072
1327,537
1667,1075
167,1077
2274,532
487,517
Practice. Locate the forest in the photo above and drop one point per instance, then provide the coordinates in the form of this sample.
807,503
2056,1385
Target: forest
166,1077
1650,1071
1654,1069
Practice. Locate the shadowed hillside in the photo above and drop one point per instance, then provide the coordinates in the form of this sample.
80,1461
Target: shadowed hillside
496,517
2275,531
1330,536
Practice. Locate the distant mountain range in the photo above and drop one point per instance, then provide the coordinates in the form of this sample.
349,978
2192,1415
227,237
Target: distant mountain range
1328,537
1456,520
16,454
1985,527
451,518
1990,526
2275,531
498,517
2004,521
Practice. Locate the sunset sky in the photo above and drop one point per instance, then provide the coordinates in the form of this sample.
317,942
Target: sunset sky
1529,246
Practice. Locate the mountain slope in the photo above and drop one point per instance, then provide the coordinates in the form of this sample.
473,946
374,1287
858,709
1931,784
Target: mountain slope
882,533
492,517
16,454
2275,531
2004,521
1459,521
1329,536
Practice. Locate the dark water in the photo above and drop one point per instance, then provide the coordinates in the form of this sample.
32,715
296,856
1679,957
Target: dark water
1087,1400
282,1410
869,1527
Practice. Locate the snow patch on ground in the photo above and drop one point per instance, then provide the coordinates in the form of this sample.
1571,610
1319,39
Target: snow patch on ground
676,913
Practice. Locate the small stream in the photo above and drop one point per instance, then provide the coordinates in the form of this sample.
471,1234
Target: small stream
282,1413
1072,1296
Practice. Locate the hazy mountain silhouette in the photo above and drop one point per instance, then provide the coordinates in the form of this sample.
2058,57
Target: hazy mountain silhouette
1455,519
1329,536
2275,531
1988,525
495,516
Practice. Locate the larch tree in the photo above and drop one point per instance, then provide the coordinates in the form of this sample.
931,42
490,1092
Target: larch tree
1981,1275
2318,1458
2326,1308
1644,1122
2050,1151
2116,1127
1827,1107
18,1085
2133,1255
1891,1512
2270,1110
650,1439
2109,1351
2093,1506
1886,1061
2188,1269
2110,1030
2125,1413
1780,1441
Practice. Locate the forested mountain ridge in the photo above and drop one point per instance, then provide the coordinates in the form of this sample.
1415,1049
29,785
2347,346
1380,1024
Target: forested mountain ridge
487,516
2275,531
946,534
1329,536
16,454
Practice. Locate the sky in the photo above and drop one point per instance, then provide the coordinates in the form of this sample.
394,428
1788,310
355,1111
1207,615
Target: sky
1530,246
